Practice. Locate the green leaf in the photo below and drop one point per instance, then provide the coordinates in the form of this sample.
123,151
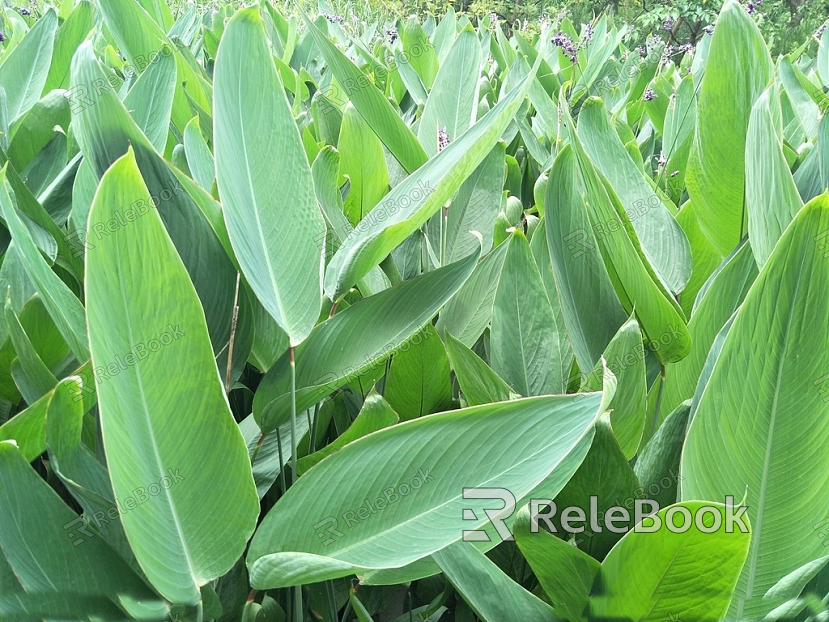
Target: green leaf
547,555
363,162
452,98
63,306
70,35
418,381
634,280
279,244
662,240
410,203
355,341
772,199
491,594
479,384
688,575
24,70
721,295
469,312
199,158
370,103
375,414
526,346
705,257
150,100
36,525
149,433
591,310
40,379
533,437
659,459
754,411
625,357
419,50
736,73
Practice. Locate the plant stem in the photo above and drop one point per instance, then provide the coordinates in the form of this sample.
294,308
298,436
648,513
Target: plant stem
232,335
298,613
655,423
281,461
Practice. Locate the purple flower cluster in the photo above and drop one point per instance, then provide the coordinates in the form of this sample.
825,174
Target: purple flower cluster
443,139
668,24
649,95
25,12
391,33
752,6
709,29
819,32
333,19
566,44
588,33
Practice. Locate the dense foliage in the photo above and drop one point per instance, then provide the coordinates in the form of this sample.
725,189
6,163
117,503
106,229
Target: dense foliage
426,320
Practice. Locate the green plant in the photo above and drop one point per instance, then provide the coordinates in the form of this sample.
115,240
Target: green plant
444,317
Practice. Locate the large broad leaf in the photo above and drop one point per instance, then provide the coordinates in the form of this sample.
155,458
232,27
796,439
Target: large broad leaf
755,412
679,575
265,181
150,100
527,346
370,103
662,239
183,444
356,341
418,471
192,218
69,36
453,96
490,593
40,538
479,384
736,73
416,198
771,197
24,70
591,310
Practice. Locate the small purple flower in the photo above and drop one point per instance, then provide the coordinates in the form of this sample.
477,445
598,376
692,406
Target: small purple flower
443,139
662,160
709,29
2,37
25,12
819,32
391,33
333,19
668,24
566,44
642,51
588,32
649,95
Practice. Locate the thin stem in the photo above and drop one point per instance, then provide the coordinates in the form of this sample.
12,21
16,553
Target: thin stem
281,462
259,446
232,335
332,600
312,440
298,612
655,423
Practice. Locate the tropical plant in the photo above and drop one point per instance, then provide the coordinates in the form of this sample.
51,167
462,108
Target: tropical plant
306,320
